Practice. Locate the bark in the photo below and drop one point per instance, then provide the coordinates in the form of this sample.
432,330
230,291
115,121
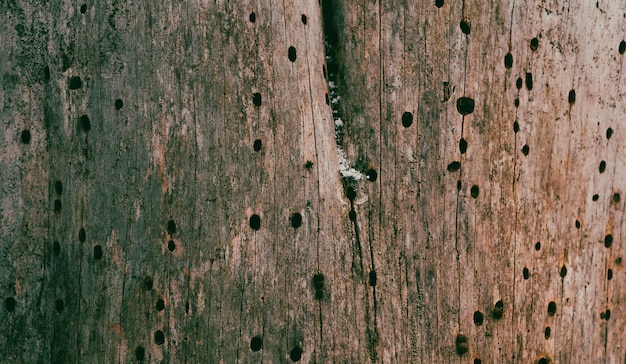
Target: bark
393,181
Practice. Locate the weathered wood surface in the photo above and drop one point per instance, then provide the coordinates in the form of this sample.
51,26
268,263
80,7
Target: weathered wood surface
129,205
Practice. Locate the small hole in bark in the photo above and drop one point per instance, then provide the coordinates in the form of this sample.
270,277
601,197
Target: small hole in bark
462,345
463,145
534,44
46,74
508,60
458,185
171,227
529,81
515,126
352,215
407,119
465,27
607,315
97,252
160,304
519,83
252,17
608,240
147,284
454,166
58,187
257,145
609,133
543,361
256,99
498,310
516,102
82,235
537,246
577,224
474,191
9,304
602,166
187,307
478,318
563,271
324,72
318,281
255,222
74,83
372,278
616,197
119,104
256,343
296,220
622,47
171,246
295,354
350,193
56,248
371,175
609,274
303,18
140,353
439,3
25,136
57,205
595,197
478,361
465,105
59,306
525,149
159,337
526,273
571,97
327,98
551,308
546,332
291,54
85,124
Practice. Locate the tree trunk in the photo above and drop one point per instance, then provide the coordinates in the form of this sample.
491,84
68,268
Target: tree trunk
248,181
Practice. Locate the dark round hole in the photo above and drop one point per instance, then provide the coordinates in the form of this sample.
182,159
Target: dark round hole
97,252
256,343
372,278
57,205
59,306
525,150
519,83
463,145
439,3
508,60
171,227
498,310
257,145
295,354
9,304
534,44
551,308
595,197
602,166
82,235
616,197
25,136
119,104
516,102
571,97
256,99
478,318
350,193
543,361
85,124
159,337
515,126
465,105
454,166
537,246
352,215
465,27
526,273
607,314
407,119
608,240
140,353
74,83
291,54
609,274
147,284
371,175
622,47
160,304
296,220
563,271
58,187
459,185
303,18
546,332
171,245
478,361
474,191
255,222
577,224
529,81
318,281
252,17
56,248
609,133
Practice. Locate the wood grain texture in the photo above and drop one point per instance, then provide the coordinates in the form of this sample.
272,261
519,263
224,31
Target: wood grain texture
147,209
